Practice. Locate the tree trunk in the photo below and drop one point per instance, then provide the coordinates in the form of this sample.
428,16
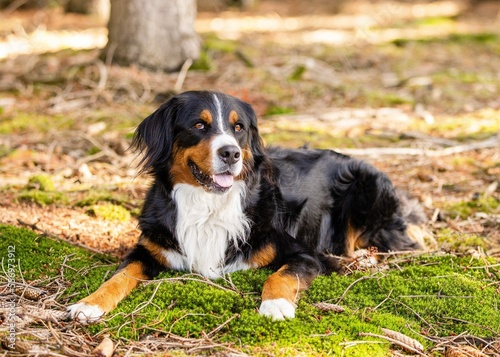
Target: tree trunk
155,34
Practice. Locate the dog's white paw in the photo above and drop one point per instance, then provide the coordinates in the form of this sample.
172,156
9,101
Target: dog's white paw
277,309
85,313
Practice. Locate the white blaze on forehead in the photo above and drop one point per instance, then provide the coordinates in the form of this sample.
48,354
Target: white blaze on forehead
218,108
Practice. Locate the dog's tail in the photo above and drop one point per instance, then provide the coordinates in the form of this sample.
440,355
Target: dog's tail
416,220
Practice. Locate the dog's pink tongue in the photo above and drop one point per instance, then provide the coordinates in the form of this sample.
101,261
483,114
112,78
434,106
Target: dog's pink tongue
224,180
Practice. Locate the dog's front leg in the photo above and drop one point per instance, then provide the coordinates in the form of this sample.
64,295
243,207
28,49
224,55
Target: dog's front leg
109,294
282,289
144,262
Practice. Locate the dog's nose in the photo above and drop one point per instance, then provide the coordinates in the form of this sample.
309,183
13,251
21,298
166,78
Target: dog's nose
229,154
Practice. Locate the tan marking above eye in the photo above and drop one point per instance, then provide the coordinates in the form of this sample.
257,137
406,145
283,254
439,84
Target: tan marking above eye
233,117
206,116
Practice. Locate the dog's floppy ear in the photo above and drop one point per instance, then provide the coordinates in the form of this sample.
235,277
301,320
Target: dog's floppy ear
255,141
154,138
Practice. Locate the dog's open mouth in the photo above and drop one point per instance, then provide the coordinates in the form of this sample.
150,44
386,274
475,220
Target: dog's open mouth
219,183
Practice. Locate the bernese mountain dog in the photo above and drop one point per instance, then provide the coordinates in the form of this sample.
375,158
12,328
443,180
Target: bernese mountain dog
221,202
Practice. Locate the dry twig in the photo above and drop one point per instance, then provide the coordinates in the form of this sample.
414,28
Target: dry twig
457,149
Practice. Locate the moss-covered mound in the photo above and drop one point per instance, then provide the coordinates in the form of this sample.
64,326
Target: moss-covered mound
424,297
40,259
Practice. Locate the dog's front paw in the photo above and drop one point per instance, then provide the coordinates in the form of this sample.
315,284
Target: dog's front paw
277,309
85,313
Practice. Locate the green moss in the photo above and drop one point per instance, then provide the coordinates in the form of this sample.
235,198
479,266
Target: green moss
110,212
470,126
377,98
42,197
38,258
93,150
434,21
466,209
41,182
95,196
204,63
41,190
298,73
482,38
214,43
466,38
23,122
461,242
278,110
441,295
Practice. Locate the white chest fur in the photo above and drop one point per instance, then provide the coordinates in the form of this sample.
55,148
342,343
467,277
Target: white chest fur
206,224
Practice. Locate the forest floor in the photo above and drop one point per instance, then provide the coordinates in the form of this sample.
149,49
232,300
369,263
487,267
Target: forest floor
412,88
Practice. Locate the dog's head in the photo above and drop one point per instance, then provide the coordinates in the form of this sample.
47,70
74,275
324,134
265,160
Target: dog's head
200,138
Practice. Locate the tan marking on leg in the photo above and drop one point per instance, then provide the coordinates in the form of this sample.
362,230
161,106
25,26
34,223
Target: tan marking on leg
263,257
115,289
283,285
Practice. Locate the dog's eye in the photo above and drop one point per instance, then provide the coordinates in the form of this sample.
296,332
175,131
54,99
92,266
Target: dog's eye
199,125
238,127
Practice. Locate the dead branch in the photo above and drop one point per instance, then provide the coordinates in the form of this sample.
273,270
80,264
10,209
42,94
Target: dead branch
355,343
364,277
218,328
413,311
103,75
428,138
197,278
182,75
457,149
